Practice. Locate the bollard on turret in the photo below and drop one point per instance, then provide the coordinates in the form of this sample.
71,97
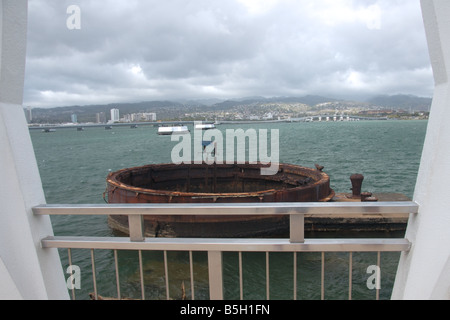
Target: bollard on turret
356,180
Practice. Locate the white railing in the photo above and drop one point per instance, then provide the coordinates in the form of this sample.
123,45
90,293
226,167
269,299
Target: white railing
216,246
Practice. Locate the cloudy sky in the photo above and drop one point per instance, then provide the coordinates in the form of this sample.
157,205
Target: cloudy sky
138,50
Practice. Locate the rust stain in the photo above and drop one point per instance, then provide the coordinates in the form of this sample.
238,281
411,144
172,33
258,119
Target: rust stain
219,183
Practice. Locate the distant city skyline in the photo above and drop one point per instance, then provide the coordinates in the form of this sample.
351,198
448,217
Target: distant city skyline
254,108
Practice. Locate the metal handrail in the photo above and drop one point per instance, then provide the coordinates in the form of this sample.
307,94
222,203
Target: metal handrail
309,208
295,210
228,245
214,247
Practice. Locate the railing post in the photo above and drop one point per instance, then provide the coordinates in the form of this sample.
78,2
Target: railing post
215,275
297,228
136,228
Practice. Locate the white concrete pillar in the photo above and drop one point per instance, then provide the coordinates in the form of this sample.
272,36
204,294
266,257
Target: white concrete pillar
424,272
26,270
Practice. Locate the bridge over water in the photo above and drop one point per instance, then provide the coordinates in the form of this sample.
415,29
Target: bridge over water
336,117
107,125
81,126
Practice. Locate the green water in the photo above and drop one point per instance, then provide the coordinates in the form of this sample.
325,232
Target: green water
74,164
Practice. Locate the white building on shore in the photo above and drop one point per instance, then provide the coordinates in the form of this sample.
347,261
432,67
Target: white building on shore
115,115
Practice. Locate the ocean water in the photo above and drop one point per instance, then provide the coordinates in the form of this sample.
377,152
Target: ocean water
74,165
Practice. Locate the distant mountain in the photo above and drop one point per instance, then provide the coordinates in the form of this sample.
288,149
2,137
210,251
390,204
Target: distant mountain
176,110
309,100
204,102
402,101
163,109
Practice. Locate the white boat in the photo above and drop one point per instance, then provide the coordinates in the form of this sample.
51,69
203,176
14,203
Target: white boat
173,130
205,126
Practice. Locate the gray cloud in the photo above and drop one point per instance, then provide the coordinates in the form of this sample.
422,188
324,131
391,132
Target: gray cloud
143,50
